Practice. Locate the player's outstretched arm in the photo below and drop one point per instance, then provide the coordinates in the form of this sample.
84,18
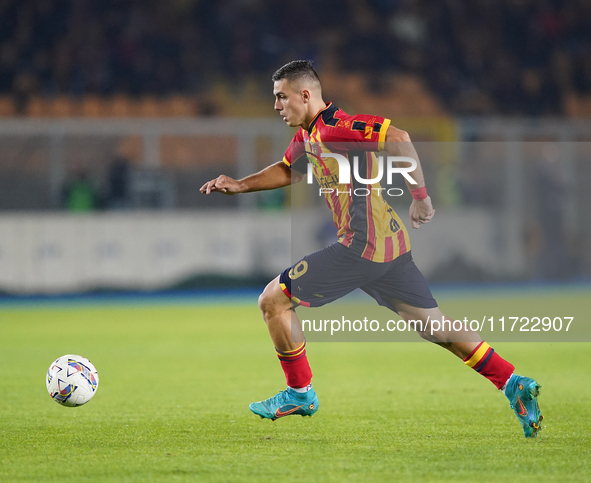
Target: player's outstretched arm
277,175
398,143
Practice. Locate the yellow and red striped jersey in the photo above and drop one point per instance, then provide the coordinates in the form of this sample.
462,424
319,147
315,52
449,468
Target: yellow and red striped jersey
365,224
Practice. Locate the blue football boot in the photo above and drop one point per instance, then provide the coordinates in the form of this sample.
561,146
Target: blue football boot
522,393
286,403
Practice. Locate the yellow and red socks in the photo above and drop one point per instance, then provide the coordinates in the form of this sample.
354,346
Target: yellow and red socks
295,366
484,360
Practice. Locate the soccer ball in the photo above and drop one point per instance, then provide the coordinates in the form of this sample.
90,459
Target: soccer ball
72,380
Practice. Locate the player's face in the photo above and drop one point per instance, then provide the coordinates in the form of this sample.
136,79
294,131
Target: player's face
289,103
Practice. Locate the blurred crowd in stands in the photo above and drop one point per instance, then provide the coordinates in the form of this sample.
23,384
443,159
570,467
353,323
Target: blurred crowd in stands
514,57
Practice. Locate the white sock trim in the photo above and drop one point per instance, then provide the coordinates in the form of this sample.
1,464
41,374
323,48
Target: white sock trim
301,390
506,382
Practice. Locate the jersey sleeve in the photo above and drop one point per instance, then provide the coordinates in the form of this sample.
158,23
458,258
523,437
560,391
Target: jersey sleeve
294,156
368,131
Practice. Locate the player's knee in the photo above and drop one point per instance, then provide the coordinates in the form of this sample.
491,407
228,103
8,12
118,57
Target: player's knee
264,301
272,300
425,331
437,333
422,325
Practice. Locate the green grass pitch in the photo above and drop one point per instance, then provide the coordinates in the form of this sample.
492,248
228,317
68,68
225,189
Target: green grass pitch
176,381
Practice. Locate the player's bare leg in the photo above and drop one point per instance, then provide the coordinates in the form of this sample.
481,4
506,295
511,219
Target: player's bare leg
461,343
522,392
283,324
286,332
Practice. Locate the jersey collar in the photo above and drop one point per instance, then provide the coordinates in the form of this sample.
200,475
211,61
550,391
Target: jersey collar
317,116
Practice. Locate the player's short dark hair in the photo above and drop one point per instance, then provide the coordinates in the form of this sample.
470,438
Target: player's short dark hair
296,70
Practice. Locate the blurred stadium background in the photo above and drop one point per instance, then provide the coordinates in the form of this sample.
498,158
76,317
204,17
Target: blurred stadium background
114,113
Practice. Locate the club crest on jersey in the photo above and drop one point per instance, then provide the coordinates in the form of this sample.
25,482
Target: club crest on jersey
316,160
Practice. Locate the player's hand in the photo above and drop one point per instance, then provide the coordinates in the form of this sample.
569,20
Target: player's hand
223,184
421,212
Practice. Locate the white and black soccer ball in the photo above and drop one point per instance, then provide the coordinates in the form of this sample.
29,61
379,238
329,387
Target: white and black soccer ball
72,380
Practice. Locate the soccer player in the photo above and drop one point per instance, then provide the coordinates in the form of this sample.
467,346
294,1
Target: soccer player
373,248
